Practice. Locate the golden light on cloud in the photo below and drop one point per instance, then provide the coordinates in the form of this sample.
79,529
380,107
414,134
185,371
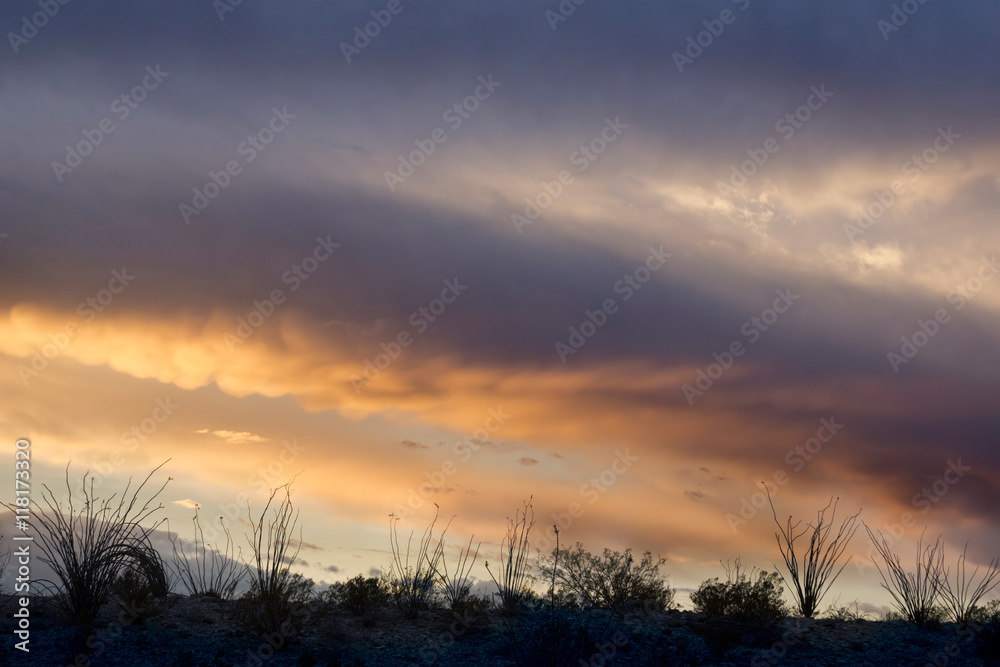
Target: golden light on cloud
234,437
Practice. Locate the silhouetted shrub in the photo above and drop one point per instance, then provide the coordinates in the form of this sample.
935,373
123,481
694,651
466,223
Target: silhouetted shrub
848,612
753,596
914,594
610,580
812,574
986,613
280,610
455,586
89,545
412,585
360,594
472,611
276,600
513,579
962,597
204,570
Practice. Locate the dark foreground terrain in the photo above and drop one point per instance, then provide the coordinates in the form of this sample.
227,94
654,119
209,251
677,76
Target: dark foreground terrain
195,631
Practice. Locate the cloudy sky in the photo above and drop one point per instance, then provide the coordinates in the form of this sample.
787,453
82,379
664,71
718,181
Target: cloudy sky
627,259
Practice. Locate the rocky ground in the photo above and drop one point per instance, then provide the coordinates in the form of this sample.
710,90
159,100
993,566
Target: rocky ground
204,631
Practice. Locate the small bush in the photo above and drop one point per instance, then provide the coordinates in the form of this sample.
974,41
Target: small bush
472,611
848,612
278,609
743,596
987,613
360,594
610,581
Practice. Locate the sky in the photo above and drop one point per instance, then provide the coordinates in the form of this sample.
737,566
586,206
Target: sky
626,260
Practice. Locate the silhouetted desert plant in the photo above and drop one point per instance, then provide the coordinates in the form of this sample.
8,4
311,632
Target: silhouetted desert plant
984,622
962,597
986,613
472,610
513,581
143,558
753,596
610,580
848,612
360,594
455,586
812,578
205,570
412,586
89,546
276,595
914,595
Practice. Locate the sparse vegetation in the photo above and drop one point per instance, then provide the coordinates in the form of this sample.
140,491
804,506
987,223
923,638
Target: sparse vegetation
204,570
961,598
812,578
753,596
914,594
986,614
276,595
848,612
456,586
512,585
581,618
89,547
412,586
360,594
610,580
